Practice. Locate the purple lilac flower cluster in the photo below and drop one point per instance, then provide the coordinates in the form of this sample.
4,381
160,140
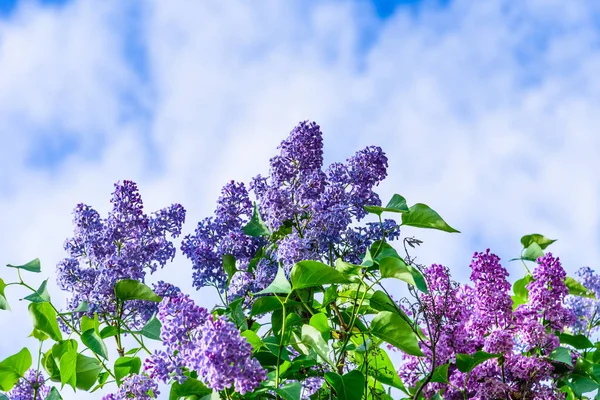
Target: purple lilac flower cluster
195,340
586,310
139,387
467,319
26,387
124,245
311,208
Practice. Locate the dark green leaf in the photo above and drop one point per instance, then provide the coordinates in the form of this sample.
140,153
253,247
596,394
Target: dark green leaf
125,366
579,342
93,341
41,295
87,371
190,387
541,240
31,266
68,362
265,304
582,384
54,394
279,285
422,216
396,205
290,391
229,266
577,289
108,331
306,274
129,289
256,227
382,302
152,329
3,302
350,386
380,250
440,374
465,363
14,367
44,319
391,267
392,328
378,365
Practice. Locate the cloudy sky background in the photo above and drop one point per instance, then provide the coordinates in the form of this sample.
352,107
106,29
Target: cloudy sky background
488,111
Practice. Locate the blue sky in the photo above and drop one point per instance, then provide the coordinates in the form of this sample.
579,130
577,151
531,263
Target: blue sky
488,112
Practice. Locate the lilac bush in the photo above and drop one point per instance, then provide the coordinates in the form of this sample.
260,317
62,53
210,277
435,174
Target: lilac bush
302,258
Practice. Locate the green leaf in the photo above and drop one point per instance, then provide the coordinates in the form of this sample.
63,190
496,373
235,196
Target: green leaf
290,391
306,274
577,289
3,302
125,366
321,322
31,266
109,331
519,287
533,252
256,227
95,343
313,339
87,323
68,362
580,342
380,250
382,302
582,384
541,240
41,295
82,307
14,367
279,285
39,335
253,339
378,365
396,205
152,329
350,386
265,304
54,394
190,387
87,371
561,354
421,216
44,319
129,289
396,331
229,266
465,363
391,267
347,269
440,374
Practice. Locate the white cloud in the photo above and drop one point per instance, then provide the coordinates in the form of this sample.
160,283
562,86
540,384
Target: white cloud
487,110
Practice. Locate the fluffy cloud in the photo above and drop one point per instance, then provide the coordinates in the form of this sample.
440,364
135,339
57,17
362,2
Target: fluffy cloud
487,110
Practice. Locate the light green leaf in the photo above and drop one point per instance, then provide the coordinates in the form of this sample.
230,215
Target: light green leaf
87,371
14,367
379,366
313,339
395,330
130,289
306,274
91,339
391,267
68,362
290,391
265,304
577,289
41,295
256,227
82,307
440,374
125,366
422,216
152,329
44,319
347,269
54,394
3,302
190,387
279,285
321,322
229,266
533,252
31,266
253,339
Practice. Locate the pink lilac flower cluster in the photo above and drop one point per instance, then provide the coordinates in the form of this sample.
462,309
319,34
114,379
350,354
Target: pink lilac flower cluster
311,208
26,387
466,319
195,340
124,245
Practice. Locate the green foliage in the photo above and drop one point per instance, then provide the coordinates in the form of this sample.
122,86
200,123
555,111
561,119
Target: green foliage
397,204
31,266
350,386
422,216
14,367
256,227
308,274
44,319
190,387
279,285
3,302
129,289
396,331
41,295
